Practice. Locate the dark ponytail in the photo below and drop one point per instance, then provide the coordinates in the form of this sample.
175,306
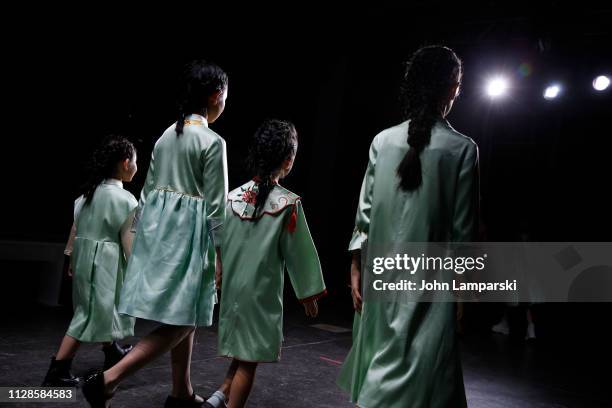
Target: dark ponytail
113,150
430,75
273,143
200,80
264,188
180,122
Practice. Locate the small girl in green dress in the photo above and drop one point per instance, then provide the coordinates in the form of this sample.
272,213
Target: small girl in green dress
265,232
98,247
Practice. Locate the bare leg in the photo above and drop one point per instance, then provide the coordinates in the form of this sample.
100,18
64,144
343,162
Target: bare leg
148,349
229,377
220,397
242,384
68,348
181,368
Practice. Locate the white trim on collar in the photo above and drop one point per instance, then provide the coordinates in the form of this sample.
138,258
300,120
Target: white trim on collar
113,182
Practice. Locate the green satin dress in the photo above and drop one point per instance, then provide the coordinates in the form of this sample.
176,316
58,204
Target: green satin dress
170,275
406,354
98,263
257,248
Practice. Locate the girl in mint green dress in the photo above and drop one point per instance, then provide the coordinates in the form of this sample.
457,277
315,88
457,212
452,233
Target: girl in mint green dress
170,277
98,247
421,185
265,232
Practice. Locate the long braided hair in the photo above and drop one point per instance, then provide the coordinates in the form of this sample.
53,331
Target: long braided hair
200,80
430,74
273,143
113,150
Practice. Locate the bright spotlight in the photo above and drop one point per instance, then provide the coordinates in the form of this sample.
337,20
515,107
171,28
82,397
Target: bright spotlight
497,87
601,83
552,91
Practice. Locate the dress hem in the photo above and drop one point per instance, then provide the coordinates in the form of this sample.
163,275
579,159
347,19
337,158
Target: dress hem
110,338
248,361
163,321
314,297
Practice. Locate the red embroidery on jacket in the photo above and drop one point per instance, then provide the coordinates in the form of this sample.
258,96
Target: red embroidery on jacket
250,197
292,220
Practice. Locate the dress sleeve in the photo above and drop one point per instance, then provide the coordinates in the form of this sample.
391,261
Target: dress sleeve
215,188
149,185
362,219
78,205
467,198
301,259
127,235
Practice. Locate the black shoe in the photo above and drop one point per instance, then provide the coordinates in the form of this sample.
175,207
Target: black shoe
173,402
93,389
59,374
113,353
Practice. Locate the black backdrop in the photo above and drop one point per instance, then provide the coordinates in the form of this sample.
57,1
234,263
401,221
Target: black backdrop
545,165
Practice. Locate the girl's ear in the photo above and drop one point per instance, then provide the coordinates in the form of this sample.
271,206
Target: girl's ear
287,165
215,97
456,89
126,165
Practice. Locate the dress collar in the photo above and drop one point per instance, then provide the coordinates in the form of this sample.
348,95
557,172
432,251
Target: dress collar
113,182
257,180
195,119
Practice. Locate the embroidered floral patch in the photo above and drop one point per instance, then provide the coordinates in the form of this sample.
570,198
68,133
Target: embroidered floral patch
244,199
250,197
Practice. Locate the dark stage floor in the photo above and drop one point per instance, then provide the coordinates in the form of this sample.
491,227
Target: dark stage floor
497,374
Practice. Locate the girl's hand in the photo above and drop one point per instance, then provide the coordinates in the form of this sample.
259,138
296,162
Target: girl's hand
459,311
311,308
67,266
218,269
356,281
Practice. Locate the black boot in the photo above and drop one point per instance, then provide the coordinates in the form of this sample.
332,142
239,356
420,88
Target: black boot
59,374
113,353
93,389
173,402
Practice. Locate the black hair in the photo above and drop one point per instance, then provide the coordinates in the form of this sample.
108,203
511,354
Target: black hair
430,74
113,150
200,80
273,143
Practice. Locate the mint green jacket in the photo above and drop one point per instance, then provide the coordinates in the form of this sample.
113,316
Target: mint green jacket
257,249
405,354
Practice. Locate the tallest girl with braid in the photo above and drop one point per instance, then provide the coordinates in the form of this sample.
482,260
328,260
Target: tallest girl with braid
421,185
170,277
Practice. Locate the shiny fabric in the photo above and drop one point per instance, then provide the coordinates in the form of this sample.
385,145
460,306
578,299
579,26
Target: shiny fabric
256,250
405,354
98,264
170,275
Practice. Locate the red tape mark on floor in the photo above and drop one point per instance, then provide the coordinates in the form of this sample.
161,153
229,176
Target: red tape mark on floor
329,360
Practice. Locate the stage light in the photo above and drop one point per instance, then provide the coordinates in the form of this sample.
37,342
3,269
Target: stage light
552,91
497,87
601,83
